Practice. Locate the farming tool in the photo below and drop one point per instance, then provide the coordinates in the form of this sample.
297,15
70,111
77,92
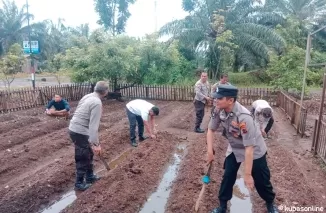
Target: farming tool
105,163
206,180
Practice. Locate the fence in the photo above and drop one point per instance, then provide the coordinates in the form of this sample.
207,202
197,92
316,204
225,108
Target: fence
28,98
292,110
319,140
186,93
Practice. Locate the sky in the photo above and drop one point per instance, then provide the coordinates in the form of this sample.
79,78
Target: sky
76,12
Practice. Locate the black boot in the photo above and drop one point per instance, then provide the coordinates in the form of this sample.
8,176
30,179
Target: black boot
199,130
142,138
134,143
80,185
91,178
219,210
222,209
271,208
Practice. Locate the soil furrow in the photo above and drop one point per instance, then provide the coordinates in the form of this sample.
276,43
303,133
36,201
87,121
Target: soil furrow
18,123
131,182
21,135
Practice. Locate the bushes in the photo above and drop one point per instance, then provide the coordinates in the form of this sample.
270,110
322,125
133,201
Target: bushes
252,78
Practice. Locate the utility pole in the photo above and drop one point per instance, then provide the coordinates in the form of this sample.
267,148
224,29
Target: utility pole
30,48
155,14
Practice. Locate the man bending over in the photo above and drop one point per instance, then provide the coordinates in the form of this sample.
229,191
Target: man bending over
263,115
142,112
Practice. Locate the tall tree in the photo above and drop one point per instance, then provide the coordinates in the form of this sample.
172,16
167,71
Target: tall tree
11,64
240,21
310,11
113,14
13,28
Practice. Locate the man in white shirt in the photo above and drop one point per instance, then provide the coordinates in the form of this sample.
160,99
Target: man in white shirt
143,113
263,115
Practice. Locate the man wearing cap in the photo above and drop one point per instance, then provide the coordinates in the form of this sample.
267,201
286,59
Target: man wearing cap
201,98
263,114
246,144
143,113
83,130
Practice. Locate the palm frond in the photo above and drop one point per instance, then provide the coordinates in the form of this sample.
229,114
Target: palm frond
267,35
252,44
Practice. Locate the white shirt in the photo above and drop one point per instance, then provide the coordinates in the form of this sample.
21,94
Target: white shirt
261,104
140,108
258,105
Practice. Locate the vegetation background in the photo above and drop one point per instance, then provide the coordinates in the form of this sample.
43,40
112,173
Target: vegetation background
256,43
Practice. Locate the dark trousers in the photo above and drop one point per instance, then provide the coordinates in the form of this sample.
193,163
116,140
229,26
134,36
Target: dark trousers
83,155
200,112
269,124
132,123
260,173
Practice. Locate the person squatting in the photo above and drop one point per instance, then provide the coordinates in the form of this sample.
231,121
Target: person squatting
60,107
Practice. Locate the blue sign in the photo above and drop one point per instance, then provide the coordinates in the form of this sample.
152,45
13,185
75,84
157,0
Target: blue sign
27,48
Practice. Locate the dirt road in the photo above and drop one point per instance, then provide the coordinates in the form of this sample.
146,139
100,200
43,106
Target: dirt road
37,164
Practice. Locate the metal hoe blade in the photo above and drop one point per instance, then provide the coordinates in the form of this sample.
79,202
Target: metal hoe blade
105,163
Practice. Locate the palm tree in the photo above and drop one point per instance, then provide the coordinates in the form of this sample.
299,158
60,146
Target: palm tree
209,19
309,11
13,28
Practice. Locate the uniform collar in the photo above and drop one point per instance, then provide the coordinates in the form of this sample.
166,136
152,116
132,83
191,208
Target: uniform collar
234,112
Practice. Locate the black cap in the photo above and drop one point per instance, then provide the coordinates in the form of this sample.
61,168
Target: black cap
226,91
155,110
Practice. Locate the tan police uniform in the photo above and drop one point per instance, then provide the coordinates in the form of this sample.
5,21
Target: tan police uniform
201,91
241,132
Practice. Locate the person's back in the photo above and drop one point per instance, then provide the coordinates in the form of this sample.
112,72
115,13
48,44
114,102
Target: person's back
139,107
258,105
80,122
83,131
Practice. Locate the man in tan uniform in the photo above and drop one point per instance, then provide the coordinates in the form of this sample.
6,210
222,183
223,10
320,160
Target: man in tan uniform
246,144
224,80
201,98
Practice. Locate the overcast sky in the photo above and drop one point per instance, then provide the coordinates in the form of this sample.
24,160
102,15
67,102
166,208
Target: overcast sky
76,12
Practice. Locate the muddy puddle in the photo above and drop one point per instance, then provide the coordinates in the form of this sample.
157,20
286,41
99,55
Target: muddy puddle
157,201
64,202
68,198
240,201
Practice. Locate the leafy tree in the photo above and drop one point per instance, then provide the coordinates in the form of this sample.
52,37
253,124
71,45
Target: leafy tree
13,26
287,70
306,11
244,20
111,60
113,14
11,64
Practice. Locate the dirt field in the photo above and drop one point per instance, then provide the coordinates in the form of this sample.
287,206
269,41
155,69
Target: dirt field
37,165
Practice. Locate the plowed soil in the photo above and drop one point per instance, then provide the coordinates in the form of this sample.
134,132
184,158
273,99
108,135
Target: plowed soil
37,164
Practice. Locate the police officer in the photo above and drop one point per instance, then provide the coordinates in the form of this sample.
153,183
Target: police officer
83,130
246,144
201,99
224,80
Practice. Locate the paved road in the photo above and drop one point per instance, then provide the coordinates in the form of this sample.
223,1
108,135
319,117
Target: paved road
27,82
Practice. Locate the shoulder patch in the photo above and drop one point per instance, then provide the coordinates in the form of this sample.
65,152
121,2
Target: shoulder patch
243,127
